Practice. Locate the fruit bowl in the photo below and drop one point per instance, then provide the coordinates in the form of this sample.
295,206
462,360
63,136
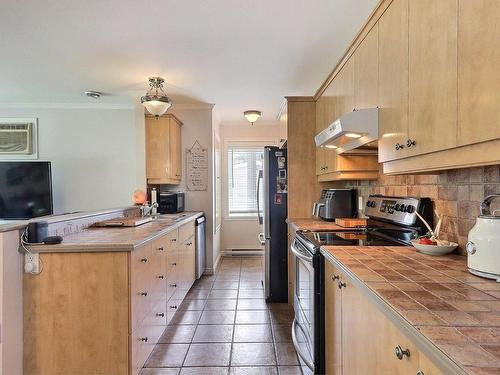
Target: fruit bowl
442,248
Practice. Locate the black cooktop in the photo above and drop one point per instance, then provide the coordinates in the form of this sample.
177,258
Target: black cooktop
362,237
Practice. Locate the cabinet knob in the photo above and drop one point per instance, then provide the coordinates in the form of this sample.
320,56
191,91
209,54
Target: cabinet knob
173,307
411,142
341,285
335,277
144,260
399,147
145,294
160,248
161,277
400,352
160,315
145,339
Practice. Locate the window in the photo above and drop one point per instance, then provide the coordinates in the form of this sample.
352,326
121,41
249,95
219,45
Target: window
244,164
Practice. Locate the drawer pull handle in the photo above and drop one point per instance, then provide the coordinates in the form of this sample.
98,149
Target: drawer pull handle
160,248
145,339
160,315
189,244
411,142
144,260
174,240
399,147
174,264
173,285
161,277
173,307
335,277
145,294
420,372
400,352
341,285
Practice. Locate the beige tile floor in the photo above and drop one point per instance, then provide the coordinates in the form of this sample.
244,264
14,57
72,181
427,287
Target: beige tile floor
225,327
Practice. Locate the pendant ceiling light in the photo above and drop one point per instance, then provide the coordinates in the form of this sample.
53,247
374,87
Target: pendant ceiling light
252,115
155,100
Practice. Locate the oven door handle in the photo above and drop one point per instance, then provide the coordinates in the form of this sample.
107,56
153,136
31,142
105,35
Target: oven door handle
297,347
300,254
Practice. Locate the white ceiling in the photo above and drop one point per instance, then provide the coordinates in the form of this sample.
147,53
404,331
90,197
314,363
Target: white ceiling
238,54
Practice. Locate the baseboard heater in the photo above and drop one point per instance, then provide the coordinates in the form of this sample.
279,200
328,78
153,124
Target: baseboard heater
241,252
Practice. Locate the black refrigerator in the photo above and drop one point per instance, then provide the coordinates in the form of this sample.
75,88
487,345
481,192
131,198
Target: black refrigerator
272,202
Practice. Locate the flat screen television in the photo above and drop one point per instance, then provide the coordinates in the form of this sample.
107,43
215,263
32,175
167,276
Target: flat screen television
25,189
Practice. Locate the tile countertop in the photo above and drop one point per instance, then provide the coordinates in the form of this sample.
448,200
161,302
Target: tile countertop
313,224
436,297
115,239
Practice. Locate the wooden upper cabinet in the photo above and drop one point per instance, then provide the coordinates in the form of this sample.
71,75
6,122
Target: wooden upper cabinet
176,148
366,71
163,150
478,71
344,89
432,75
326,113
393,81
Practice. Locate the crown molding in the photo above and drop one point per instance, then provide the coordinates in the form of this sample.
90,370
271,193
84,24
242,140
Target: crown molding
68,106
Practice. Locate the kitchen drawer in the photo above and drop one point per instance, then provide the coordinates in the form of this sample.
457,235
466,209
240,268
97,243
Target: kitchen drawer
172,238
141,285
186,231
172,307
142,342
158,314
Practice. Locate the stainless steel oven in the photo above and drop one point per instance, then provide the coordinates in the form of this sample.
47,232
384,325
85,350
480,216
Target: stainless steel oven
307,328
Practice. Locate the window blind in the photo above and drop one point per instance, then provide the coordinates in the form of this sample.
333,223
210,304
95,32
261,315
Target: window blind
244,164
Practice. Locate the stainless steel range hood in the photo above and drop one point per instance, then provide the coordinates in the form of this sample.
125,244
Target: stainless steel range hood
352,133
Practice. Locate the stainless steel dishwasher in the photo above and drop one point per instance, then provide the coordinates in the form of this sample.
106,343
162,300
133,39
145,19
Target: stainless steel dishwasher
200,246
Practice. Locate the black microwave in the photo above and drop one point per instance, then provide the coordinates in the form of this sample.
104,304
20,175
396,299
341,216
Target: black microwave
170,203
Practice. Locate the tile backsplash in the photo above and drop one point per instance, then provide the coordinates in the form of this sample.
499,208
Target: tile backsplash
456,194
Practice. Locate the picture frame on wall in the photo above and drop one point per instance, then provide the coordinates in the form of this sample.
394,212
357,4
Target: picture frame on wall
18,138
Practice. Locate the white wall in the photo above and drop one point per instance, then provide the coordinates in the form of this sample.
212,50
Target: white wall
240,233
197,125
97,154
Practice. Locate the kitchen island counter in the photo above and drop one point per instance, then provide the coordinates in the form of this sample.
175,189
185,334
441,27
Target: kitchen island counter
117,238
452,316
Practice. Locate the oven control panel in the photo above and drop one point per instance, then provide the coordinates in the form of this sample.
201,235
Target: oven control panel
399,210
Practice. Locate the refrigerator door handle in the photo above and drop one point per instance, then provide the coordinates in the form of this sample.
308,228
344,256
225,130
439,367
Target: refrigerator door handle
262,239
261,174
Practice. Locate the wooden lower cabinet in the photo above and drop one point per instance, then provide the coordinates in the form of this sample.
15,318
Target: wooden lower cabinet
103,312
360,339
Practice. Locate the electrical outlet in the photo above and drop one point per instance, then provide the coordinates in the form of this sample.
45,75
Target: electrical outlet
31,263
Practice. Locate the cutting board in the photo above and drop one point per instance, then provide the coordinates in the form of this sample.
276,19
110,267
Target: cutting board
351,223
123,222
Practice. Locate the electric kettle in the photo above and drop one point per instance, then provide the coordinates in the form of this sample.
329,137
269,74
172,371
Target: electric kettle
483,246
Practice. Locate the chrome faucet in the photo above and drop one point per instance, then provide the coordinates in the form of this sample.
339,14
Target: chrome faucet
147,209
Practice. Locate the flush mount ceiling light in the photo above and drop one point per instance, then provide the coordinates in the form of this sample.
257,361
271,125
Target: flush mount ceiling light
93,94
155,100
252,115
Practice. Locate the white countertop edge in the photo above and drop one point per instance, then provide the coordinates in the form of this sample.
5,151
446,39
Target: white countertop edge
440,359
99,248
